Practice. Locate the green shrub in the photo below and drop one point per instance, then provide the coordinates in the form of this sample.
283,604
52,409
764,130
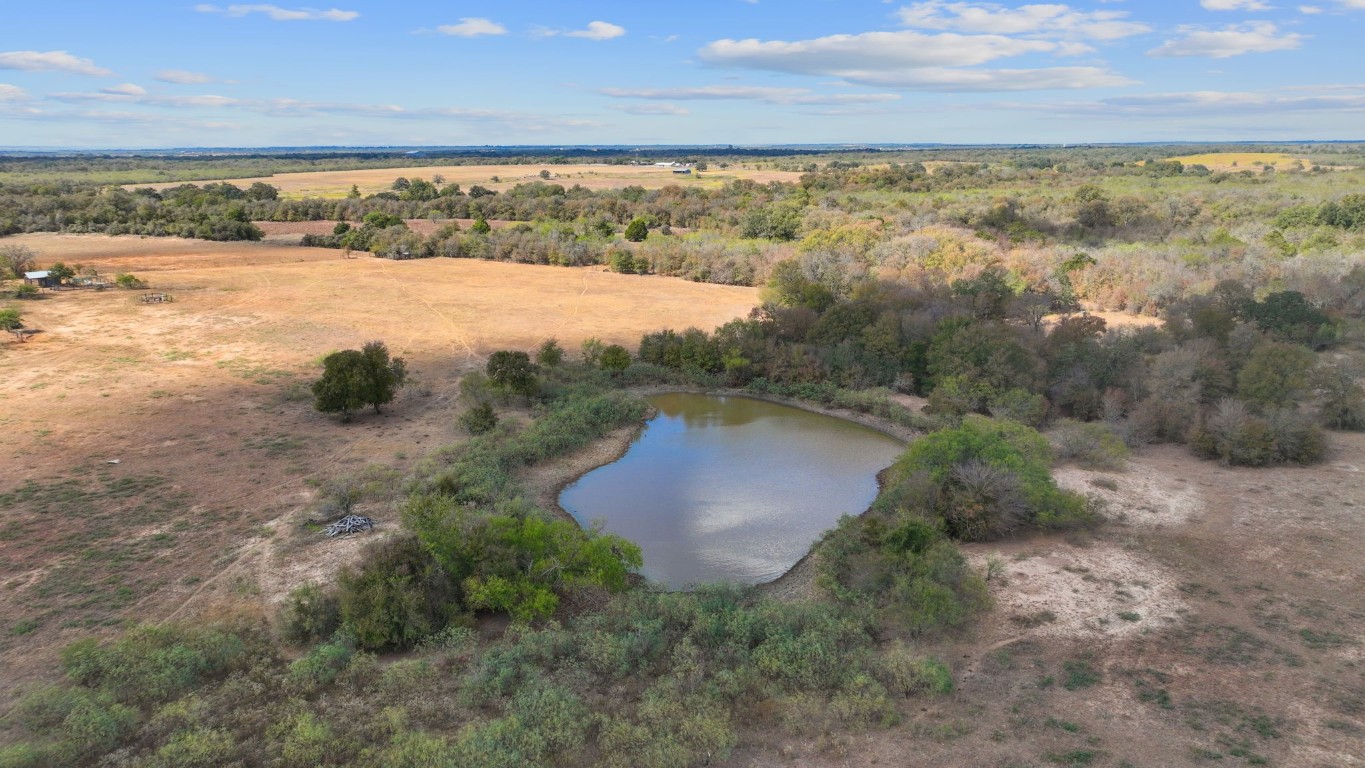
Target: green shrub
1234,435
1019,405
479,419
309,614
1093,445
27,756
906,673
153,663
986,478
416,750
128,282
398,596
323,664
81,721
550,354
1276,375
306,742
615,358
1342,396
199,748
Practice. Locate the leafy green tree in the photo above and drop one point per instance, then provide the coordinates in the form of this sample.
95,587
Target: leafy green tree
776,222
1291,316
1275,375
592,350
623,262
550,354
61,272
480,226
512,371
261,191
637,230
352,379
381,220
615,358
10,318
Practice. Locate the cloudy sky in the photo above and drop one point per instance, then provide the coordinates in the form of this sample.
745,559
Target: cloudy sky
365,72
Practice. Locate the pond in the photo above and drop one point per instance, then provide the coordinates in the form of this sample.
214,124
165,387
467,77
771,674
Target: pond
731,488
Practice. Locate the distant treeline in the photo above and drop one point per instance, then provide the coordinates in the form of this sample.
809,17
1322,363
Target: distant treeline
1085,224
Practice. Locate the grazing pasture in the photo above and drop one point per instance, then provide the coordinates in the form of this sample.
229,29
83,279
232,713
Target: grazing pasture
204,404
368,181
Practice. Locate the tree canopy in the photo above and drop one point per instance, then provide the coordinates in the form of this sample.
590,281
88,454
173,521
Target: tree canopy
352,379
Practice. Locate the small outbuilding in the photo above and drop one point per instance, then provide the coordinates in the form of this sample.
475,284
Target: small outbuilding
42,279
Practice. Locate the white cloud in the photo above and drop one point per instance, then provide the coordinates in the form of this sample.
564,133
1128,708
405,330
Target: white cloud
912,60
297,108
132,94
12,93
472,27
1197,104
126,89
50,61
769,95
598,30
182,77
1048,20
280,14
1234,40
650,109
1235,5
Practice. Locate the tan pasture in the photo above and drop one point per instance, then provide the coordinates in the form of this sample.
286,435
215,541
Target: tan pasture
210,393
372,180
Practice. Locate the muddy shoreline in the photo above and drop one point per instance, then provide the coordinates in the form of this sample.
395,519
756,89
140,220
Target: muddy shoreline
547,482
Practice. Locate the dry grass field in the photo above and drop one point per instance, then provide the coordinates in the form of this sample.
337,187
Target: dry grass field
1244,161
371,180
203,404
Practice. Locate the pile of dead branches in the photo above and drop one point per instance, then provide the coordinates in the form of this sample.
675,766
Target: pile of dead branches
348,525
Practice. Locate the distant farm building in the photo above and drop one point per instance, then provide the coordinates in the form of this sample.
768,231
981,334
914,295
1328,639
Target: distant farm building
42,279
682,170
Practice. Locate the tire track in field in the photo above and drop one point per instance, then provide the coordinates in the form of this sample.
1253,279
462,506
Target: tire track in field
461,337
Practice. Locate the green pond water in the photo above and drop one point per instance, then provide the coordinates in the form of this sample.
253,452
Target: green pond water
731,488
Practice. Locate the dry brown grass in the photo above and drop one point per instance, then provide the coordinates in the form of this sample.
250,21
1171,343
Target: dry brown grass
371,180
209,394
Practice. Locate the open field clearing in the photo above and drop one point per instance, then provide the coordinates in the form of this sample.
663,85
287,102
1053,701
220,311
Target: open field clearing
1244,161
372,180
204,405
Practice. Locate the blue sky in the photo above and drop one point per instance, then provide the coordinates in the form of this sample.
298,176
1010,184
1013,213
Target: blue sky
362,72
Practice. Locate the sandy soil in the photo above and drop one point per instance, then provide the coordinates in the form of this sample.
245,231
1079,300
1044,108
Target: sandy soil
1216,619
372,180
203,403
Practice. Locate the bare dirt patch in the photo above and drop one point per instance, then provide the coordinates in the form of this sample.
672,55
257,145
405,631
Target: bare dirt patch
204,404
1217,619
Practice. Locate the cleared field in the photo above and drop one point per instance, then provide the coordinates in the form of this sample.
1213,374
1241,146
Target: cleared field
498,177
1243,161
204,405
